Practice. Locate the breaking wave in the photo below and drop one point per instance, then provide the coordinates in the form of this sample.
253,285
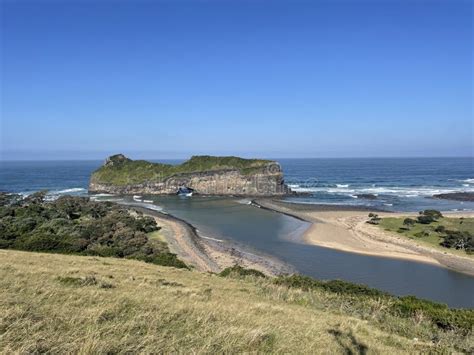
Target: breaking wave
71,190
411,191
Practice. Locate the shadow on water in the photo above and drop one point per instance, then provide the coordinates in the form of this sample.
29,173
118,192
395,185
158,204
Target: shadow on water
280,236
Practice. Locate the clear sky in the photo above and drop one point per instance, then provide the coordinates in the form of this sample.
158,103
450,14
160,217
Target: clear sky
167,79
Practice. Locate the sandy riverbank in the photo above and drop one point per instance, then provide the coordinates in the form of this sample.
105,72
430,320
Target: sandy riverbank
209,255
344,228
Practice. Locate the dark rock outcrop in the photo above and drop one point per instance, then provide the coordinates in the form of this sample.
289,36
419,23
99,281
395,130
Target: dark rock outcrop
456,196
367,196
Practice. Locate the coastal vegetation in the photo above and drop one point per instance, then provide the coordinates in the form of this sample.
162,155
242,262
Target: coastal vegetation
87,304
77,225
119,170
432,228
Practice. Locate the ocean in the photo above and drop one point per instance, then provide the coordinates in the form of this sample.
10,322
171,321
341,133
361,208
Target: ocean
396,184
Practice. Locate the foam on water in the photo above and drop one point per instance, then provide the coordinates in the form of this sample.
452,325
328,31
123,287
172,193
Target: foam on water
101,195
149,206
395,190
71,190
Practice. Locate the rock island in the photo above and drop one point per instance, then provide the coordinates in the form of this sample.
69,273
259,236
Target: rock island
207,175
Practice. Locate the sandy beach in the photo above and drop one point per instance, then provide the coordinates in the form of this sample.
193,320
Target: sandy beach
344,228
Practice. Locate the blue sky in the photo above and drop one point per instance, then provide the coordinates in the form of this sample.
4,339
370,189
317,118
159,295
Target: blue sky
167,79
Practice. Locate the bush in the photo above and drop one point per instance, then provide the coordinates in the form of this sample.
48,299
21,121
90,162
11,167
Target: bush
409,222
433,213
307,283
458,240
407,307
163,259
440,314
78,225
425,219
240,271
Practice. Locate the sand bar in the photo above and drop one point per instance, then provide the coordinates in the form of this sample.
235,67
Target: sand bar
344,228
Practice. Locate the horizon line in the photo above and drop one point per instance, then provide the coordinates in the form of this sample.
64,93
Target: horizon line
263,157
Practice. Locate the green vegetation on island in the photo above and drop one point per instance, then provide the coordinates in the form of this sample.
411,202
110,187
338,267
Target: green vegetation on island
432,228
77,225
119,170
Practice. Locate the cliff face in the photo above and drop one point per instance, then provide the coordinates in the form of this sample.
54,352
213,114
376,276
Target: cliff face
206,175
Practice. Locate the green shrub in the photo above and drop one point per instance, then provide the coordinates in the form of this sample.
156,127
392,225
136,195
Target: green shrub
433,213
409,222
458,240
240,271
78,281
77,225
164,259
439,314
407,307
307,283
425,219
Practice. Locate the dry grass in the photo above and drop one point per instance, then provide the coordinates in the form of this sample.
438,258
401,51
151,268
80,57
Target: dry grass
63,304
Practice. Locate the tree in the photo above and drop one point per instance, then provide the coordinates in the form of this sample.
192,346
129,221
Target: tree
409,222
423,219
432,213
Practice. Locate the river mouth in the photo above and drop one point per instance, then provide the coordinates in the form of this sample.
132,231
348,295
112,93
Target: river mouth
280,236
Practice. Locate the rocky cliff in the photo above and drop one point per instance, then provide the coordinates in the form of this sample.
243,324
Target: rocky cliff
207,175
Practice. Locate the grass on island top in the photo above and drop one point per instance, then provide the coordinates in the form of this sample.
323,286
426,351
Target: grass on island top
69,304
427,234
127,171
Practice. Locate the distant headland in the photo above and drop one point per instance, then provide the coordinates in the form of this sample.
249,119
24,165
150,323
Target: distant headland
206,175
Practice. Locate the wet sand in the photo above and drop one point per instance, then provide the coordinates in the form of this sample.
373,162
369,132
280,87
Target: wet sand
344,228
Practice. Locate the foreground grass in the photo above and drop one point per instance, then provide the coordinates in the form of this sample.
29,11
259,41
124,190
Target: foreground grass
427,233
64,303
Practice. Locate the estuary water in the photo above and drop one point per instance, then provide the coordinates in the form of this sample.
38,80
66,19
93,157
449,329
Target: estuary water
266,232
399,184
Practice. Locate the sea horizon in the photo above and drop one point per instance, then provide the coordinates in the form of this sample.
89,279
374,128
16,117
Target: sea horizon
247,156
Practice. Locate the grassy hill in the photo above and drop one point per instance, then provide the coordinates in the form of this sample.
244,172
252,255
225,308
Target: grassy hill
120,170
65,303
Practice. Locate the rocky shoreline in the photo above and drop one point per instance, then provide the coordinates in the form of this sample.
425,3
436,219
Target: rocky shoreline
456,196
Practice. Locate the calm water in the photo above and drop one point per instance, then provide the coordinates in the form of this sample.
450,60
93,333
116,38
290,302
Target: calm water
406,184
